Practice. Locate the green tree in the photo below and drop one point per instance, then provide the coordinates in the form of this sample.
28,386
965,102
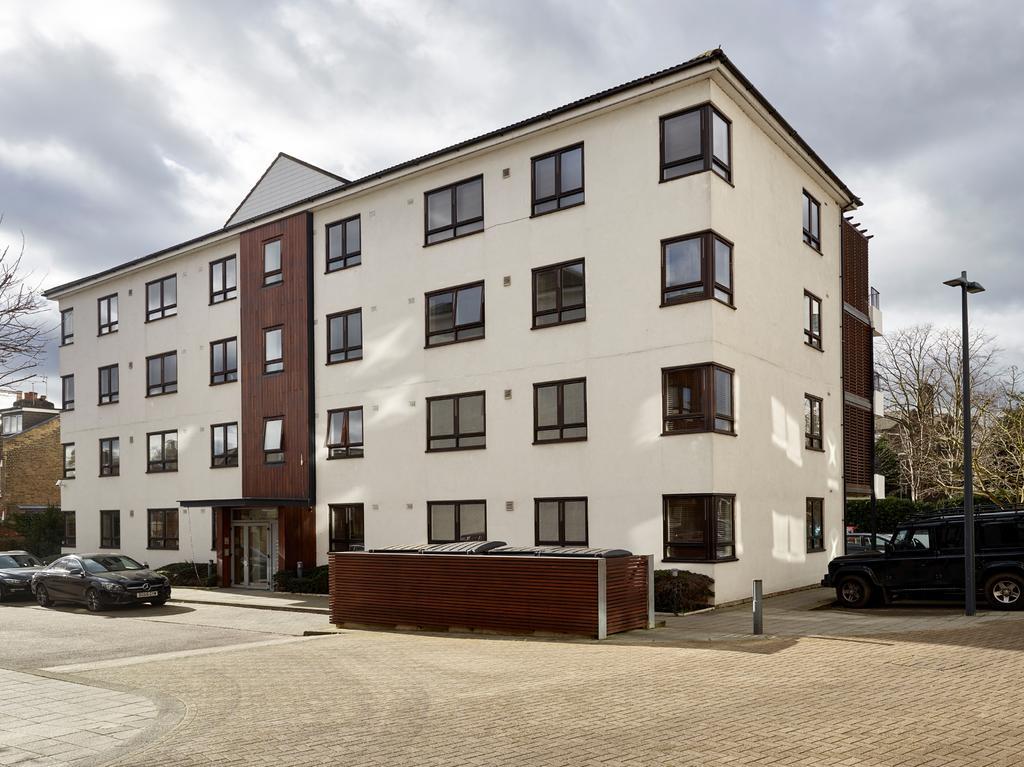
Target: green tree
41,531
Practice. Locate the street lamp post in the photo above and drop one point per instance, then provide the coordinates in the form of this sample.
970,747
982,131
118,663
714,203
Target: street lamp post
970,596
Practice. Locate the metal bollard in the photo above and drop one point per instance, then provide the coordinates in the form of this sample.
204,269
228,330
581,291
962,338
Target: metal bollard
298,569
758,608
209,568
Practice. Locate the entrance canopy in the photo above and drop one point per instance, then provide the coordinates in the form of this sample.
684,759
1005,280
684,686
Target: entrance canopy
223,502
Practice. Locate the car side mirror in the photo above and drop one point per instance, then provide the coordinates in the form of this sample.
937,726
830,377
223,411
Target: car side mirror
76,571
889,548
146,565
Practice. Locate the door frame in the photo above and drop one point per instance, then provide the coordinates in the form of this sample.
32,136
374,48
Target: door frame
245,528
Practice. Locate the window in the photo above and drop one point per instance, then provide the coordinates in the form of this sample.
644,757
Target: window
346,527
344,244
559,294
163,529
272,274
109,386
67,392
161,298
558,180
812,222
110,457
812,422
815,524
560,411
695,267
223,445
560,521
696,140
223,279
345,336
345,433
69,460
812,320
12,423
997,534
456,422
455,314
223,361
451,521
162,451
67,327
162,374
69,538
110,529
454,211
697,398
107,311
273,440
273,350
699,528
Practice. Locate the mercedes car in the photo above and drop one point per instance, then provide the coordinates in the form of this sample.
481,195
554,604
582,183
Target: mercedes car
99,581
16,571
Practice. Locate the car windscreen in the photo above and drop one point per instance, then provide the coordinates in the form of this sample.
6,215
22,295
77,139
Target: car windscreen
18,560
907,539
111,563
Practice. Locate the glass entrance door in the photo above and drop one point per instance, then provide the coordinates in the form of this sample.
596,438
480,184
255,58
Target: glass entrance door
253,551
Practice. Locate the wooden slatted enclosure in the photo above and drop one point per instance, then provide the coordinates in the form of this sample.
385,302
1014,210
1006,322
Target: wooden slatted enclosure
511,594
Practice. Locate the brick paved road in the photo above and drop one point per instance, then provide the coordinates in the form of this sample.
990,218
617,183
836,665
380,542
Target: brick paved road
947,697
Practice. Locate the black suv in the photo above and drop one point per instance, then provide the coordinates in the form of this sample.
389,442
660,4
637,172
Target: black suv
925,560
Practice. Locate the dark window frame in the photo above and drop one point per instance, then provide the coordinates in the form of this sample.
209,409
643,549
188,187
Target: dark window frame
711,542
274,276
812,238
66,339
112,538
346,260
455,328
346,448
344,349
65,403
69,541
112,395
228,374
707,158
350,543
163,541
456,434
164,310
562,540
273,457
814,440
228,459
561,425
457,520
165,386
709,285
163,465
559,194
110,326
226,293
812,338
815,508
65,474
456,224
113,468
268,363
709,414
560,307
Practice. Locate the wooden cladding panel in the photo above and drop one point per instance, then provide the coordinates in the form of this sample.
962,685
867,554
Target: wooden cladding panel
627,593
296,537
511,594
288,393
856,284
857,357
858,436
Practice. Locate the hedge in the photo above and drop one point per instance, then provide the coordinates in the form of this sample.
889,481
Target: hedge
894,511
313,581
682,592
188,574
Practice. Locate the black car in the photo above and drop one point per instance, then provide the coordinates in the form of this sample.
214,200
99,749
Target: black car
99,581
16,570
925,560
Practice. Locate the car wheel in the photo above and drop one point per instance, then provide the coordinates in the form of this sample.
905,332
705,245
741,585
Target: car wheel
92,601
158,602
43,596
3,593
853,591
1005,591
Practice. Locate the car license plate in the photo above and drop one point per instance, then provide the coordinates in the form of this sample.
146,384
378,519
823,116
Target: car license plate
146,594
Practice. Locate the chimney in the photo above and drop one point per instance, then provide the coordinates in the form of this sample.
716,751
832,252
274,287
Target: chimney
29,396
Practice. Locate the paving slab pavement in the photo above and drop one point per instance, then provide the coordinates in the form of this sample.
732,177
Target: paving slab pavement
256,599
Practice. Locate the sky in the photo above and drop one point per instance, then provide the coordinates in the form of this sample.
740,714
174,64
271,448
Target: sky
126,127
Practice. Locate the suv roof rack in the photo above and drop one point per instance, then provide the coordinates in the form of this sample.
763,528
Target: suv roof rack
958,511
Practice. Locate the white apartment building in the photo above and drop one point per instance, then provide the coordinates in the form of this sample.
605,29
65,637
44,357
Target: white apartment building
617,324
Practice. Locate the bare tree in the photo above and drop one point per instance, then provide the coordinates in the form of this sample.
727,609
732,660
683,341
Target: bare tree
22,335
999,467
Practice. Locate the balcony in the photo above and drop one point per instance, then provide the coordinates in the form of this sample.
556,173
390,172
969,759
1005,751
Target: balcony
879,396
875,307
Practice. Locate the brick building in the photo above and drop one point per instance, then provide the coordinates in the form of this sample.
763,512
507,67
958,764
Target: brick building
31,461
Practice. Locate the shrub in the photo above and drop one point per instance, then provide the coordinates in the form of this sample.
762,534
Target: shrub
683,592
189,574
41,532
313,581
893,511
